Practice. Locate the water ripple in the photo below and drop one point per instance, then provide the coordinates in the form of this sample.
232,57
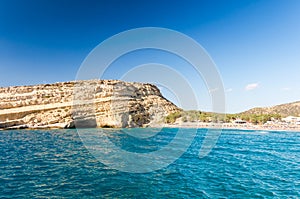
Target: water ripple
244,164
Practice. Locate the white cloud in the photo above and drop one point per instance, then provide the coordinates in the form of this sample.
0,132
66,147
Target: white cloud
286,89
228,90
251,86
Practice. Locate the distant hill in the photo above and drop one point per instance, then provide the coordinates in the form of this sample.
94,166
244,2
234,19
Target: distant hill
282,109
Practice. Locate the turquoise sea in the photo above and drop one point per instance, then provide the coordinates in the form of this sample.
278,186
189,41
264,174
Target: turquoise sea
243,164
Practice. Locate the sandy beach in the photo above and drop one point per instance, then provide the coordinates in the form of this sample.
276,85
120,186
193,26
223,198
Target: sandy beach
247,126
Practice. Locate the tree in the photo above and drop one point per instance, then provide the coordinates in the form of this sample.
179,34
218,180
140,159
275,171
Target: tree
171,118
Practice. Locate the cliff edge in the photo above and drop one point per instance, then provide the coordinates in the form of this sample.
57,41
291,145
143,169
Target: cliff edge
111,103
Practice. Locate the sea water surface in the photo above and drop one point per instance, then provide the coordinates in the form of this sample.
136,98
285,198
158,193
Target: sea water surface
243,164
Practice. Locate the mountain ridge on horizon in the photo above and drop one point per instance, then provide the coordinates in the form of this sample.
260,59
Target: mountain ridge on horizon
285,109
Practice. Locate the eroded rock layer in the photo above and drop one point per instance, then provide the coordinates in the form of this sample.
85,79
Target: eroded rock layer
93,103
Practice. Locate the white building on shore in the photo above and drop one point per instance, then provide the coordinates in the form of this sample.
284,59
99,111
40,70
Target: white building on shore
291,120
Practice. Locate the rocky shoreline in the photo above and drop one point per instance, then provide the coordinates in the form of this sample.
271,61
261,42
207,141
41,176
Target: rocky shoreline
114,104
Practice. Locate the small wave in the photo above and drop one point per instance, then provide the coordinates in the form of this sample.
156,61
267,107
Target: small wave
262,132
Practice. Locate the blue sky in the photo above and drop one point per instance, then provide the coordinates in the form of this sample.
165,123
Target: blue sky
255,44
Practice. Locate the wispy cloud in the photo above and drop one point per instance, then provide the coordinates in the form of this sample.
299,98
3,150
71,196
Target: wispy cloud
251,86
229,90
286,89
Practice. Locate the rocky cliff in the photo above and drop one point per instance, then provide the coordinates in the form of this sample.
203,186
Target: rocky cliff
93,103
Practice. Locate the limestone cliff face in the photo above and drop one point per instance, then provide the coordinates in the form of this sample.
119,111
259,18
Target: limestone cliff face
93,103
